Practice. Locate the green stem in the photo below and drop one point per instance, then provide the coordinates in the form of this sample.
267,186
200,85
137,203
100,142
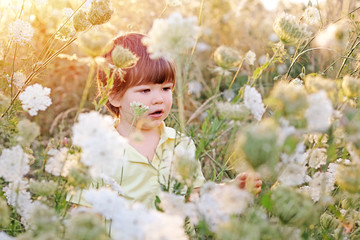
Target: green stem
237,72
353,47
12,74
180,96
300,54
34,73
87,87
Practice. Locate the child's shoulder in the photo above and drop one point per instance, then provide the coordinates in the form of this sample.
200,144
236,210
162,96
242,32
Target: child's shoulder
180,139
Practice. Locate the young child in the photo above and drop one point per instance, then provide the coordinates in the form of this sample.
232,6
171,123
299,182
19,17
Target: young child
149,157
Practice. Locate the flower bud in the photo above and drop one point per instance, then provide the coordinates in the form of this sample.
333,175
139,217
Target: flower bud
259,144
291,99
100,12
292,207
288,29
123,57
328,222
43,188
94,43
351,86
65,33
233,111
227,57
80,21
315,83
28,131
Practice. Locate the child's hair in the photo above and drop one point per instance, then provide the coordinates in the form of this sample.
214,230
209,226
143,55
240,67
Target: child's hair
146,70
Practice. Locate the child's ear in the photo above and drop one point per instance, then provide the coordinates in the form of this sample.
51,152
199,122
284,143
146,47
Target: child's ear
114,99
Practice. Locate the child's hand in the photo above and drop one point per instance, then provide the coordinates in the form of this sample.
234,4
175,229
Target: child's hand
249,181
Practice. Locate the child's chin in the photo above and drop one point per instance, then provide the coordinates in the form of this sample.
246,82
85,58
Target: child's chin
148,125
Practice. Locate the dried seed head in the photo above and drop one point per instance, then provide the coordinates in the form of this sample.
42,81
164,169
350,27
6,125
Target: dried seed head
227,57
100,12
123,57
80,21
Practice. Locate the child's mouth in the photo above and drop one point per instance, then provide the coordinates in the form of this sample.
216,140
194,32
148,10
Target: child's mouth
156,113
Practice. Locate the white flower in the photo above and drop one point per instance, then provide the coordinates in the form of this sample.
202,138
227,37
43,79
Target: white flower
173,227
60,162
105,201
35,98
321,185
312,15
4,236
17,196
218,202
317,157
170,37
253,101
299,156
232,110
138,222
293,174
250,57
102,146
18,79
175,205
14,164
173,3
319,113
138,109
21,31
194,87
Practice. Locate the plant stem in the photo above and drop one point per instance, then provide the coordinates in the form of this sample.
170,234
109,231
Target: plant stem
87,87
12,74
180,96
237,72
353,47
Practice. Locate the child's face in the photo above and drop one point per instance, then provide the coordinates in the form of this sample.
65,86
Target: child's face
158,97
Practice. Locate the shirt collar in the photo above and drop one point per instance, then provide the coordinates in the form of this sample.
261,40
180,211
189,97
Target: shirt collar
166,133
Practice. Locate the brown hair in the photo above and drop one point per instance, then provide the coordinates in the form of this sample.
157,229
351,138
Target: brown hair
146,70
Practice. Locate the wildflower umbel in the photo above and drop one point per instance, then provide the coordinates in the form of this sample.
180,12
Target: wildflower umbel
80,21
102,146
227,57
170,37
21,31
312,15
100,12
14,164
138,109
319,113
288,29
250,57
253,101
123,57
35,98
18,79
93,43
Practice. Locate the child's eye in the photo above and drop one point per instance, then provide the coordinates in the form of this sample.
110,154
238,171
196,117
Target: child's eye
145,90
167,88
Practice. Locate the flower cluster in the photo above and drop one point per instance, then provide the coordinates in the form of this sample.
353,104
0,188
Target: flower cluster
21,31
253,101
35,98
170,37
102,146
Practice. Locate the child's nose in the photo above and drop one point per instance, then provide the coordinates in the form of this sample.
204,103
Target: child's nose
158,99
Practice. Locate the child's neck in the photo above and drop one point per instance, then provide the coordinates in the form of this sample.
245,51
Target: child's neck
144,141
